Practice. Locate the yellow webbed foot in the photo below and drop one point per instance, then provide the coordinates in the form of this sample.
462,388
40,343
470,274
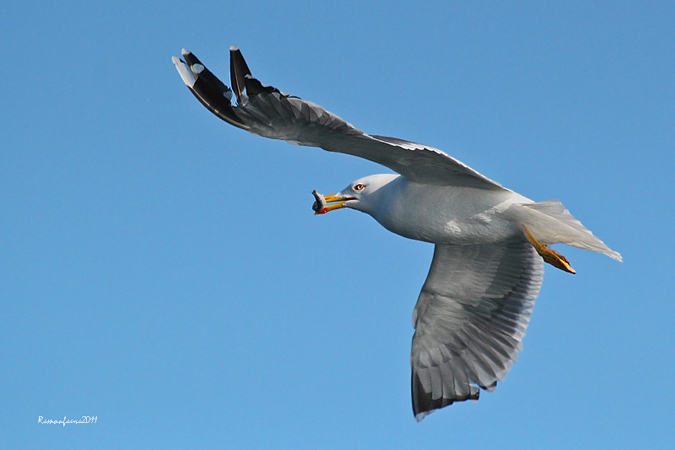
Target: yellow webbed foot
550,256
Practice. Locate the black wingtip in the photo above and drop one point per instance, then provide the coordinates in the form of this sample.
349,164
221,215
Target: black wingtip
423,404
209,90
238,72
189,57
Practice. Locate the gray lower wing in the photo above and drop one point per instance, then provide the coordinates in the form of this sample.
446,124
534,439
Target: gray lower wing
268,112
470,319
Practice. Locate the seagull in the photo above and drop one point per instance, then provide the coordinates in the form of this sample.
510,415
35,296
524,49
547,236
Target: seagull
490,243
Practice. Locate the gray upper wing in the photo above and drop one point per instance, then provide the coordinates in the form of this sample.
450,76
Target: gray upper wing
266,111
470,319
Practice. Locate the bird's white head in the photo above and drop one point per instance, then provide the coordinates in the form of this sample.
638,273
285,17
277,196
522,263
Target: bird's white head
364,194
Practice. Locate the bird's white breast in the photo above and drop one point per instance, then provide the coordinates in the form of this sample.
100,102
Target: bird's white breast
446,214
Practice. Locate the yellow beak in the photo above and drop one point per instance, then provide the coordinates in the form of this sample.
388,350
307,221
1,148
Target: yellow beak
335,203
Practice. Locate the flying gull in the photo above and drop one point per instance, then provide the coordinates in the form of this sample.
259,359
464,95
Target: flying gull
490,242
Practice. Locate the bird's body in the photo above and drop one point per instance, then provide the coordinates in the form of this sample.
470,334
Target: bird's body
442,214
490,242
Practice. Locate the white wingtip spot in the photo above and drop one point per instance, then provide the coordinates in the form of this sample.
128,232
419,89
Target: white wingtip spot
185,51
233,48
197,68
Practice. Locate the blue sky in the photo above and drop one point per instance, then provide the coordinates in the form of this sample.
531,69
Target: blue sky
164,272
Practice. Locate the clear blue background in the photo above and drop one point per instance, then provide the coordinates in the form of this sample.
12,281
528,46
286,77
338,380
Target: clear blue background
164,272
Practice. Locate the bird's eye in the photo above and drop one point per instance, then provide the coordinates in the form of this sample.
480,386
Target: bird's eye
359,187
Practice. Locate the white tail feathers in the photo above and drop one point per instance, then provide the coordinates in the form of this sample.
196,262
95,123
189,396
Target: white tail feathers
551,223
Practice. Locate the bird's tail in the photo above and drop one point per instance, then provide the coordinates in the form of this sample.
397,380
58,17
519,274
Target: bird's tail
551,223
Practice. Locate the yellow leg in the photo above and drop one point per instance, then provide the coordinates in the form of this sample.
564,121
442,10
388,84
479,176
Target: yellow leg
550,256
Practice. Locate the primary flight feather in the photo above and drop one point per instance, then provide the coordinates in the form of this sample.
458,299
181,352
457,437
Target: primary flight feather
490,242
